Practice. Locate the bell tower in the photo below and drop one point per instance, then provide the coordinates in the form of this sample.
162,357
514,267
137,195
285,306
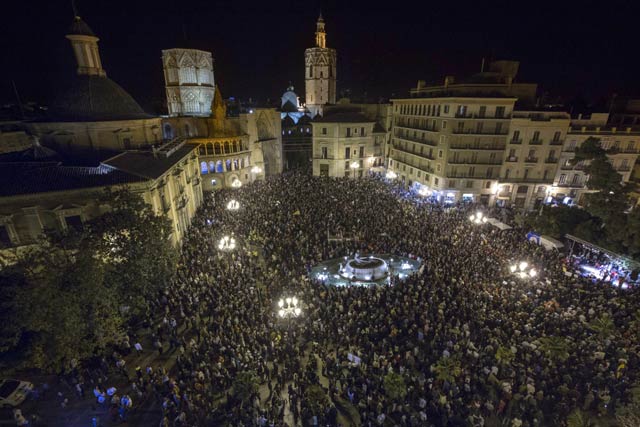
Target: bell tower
320,72
85,48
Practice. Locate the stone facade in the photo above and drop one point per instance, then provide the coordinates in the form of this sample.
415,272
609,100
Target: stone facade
320,73
167,179
349,141
189,81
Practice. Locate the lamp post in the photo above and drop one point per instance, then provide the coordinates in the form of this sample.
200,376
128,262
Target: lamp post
233,205
227,244
354,166
523,270
478,218
288,309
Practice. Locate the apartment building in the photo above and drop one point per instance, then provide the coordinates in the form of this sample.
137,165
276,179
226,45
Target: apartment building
449,140
621,142
350,140
531,157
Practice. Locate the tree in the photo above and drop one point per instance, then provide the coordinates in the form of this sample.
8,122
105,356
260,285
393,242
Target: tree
316,399
394,386
556,348
447,369
245,385
578,418
504,355
603,326
134,244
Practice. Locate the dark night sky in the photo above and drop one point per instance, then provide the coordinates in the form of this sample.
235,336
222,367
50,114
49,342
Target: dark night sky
383,47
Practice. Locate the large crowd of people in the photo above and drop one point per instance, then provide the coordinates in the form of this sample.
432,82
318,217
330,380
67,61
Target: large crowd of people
465,341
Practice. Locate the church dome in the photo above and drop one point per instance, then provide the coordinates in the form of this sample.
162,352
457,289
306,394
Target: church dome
80,28
289,100
90,98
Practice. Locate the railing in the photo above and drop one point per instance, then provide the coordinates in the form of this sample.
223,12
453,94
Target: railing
477,147
475,132
515,141
531,160
512,159
415,153
466,175
623,169
535,142
556,142
417,141
473,162
550,160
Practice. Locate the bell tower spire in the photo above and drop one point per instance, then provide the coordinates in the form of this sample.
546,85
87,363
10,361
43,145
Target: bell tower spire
321,36
85,48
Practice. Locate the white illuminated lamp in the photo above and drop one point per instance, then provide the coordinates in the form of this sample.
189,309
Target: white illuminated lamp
523,265
478,218
227,243
391,175
236,183
256,169
289,307
233,205
424,191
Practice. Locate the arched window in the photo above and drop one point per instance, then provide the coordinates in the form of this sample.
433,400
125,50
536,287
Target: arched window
212,166
235,164
219,167
202,150
235,146
242,163
168,131
217,148
203,168
228,165
209,148
226,147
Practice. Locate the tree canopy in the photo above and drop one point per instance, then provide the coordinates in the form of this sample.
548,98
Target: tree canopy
64,299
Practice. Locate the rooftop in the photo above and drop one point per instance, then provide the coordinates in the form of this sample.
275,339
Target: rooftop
146,164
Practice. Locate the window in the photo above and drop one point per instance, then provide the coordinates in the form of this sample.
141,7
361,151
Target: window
556,136
444,124
436,180
324,131
532,153
446,109
452,183
483,111
74,222
5,238
575,180
552,154
361,131
630,147
361,152
516,136
324,153
536,135
499,112
479,127
346,165
348,132
526,173
546,174
203,168
472,171
563,179
498,128
439,154
523,189
571,146
507,173
324,170
469,183
347,153
127,143
462,110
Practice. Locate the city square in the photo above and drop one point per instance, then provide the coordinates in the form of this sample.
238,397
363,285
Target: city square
441,230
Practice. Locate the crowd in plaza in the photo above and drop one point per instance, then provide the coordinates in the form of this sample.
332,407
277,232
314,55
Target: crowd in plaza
467,341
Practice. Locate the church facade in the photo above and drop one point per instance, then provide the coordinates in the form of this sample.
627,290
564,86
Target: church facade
189,81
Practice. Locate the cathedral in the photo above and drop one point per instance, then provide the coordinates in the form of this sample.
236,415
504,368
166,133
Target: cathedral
320,73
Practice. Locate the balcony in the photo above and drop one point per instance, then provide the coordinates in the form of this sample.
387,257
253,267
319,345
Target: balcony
556,142
414,152
512,159
481,116
515,141
531,160
623,169
487,147
474,162
550,160
468,176
535,142
476,133
417,141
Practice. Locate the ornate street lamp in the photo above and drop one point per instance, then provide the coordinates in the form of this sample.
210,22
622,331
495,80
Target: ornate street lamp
227,244
478,218
288,308
522,270
233,205
236,183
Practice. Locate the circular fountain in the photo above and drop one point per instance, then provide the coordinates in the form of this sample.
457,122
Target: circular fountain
365,269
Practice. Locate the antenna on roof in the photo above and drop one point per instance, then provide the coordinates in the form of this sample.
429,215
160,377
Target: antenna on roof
75,9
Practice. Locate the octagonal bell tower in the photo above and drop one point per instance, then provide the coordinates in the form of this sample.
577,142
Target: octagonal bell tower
320,72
